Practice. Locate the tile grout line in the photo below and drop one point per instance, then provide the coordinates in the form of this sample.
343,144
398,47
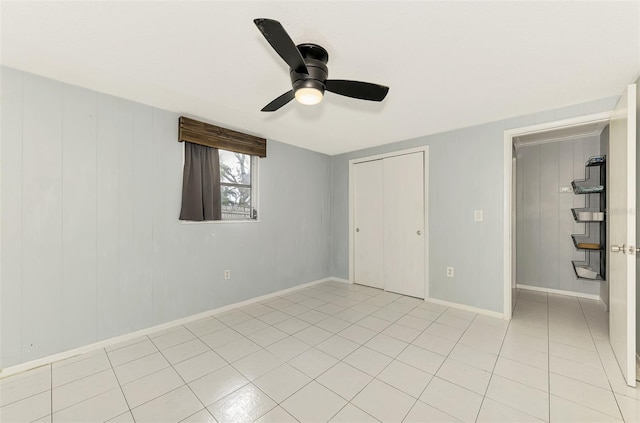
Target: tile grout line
89,398
596,351
31,395
615,398
484,396
263,347
230,364
332,334
336,334
516,381
120,386
206,407
376,376
581,381
373,377
278,404
137,358
341,360
403,313
445,359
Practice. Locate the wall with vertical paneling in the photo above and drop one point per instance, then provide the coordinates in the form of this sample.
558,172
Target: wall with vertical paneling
466,173
544,219
91,243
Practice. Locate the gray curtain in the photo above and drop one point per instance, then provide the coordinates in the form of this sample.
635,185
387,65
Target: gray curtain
201,183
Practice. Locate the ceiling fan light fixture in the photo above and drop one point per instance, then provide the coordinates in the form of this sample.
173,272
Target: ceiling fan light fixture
308,71
308,96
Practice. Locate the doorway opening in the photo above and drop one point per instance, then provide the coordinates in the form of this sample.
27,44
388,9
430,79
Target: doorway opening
619,277
559,226
543,165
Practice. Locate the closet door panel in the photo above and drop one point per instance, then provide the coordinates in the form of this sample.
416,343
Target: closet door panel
404,239
368,213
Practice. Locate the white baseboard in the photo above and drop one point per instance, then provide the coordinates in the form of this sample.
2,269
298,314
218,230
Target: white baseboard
341,280
637,367
18,368
559,292
466,307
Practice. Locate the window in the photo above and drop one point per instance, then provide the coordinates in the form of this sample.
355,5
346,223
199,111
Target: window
220,172
237,185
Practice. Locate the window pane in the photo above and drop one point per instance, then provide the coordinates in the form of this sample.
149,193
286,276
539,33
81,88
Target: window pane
236,203
235,168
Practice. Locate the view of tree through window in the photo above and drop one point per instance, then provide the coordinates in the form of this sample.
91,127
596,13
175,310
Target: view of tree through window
235,186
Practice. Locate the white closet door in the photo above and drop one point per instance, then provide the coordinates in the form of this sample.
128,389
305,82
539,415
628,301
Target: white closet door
368,212
404,239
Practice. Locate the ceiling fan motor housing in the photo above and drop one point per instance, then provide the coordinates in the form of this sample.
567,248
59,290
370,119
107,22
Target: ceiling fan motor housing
316,58
315,79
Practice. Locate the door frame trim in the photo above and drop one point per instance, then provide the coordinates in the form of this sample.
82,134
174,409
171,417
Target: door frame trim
352,163
509,134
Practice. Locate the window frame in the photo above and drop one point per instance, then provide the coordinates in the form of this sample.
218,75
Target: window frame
253,204
255,195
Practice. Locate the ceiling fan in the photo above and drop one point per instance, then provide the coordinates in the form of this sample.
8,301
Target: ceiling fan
308,71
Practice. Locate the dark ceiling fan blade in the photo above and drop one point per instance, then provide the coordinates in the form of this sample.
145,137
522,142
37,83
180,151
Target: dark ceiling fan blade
282,43
357,89
279,102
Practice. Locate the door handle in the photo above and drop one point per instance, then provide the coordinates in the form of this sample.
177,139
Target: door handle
357,229
632,250
619,249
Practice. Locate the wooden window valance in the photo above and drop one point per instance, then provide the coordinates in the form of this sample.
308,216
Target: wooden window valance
197,132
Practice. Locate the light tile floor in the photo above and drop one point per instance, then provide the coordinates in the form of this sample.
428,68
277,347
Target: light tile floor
344,353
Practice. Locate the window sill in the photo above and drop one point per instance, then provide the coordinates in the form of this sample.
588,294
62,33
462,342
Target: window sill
217,222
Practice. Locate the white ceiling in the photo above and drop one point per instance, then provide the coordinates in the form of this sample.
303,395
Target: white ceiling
449,64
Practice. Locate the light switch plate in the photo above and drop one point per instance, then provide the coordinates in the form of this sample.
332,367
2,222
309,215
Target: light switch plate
478,216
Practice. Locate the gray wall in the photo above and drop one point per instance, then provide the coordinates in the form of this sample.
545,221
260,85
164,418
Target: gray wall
91,243
465,174
544,219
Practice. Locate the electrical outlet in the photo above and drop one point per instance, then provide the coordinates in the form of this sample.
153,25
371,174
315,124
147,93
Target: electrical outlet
227,274
449,272
566,189
30,351
478,216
